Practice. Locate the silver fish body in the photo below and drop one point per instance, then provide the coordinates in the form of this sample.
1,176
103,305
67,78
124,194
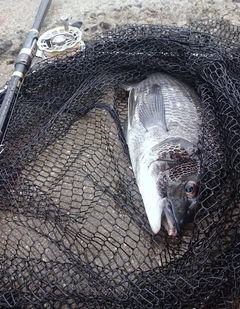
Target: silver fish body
162,133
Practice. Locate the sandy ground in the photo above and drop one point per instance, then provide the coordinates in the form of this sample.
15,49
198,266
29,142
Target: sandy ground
17,17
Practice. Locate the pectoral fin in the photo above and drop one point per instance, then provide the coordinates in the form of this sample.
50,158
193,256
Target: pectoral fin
152,109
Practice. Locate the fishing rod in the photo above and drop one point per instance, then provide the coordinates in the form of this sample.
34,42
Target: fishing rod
22,65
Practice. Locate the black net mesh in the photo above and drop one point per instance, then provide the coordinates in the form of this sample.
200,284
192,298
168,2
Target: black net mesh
73,229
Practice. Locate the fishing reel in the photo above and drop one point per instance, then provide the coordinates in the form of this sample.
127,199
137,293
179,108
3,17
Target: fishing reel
60,41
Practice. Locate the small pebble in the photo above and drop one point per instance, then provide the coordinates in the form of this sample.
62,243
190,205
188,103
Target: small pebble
77,24
94,28
93,15
10,61
105,25
5,46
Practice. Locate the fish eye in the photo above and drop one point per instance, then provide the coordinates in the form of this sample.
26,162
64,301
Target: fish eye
191,189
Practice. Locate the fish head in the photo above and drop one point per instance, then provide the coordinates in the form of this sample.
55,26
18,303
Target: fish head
182,194
169,194
180,186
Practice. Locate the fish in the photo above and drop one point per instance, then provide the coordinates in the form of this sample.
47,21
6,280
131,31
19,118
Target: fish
162,132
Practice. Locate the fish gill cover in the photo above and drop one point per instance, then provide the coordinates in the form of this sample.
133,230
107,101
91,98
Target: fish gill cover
73,229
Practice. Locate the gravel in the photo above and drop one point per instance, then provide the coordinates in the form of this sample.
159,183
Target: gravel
93,17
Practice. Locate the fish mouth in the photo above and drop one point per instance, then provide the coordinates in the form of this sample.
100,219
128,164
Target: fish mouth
193,207
168,219
162,215
170,222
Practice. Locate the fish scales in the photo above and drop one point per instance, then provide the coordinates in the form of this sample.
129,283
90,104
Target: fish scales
162,133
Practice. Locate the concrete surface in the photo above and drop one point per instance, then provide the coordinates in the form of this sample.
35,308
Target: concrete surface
17,17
